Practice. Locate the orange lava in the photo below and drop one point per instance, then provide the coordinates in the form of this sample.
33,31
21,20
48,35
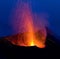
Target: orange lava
29,37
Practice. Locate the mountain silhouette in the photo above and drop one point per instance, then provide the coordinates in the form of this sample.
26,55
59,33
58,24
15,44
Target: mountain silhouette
11,51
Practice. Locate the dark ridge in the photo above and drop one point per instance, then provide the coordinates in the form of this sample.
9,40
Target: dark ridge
10,51
52,41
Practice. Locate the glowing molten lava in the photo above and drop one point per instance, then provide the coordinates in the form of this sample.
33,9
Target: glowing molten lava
32,43
30,36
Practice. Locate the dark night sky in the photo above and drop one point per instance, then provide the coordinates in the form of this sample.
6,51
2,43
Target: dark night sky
52,7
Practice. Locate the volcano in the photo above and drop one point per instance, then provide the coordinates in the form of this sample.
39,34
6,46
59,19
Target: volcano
10,50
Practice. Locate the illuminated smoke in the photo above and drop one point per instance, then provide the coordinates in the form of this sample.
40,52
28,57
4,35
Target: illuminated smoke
31,25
